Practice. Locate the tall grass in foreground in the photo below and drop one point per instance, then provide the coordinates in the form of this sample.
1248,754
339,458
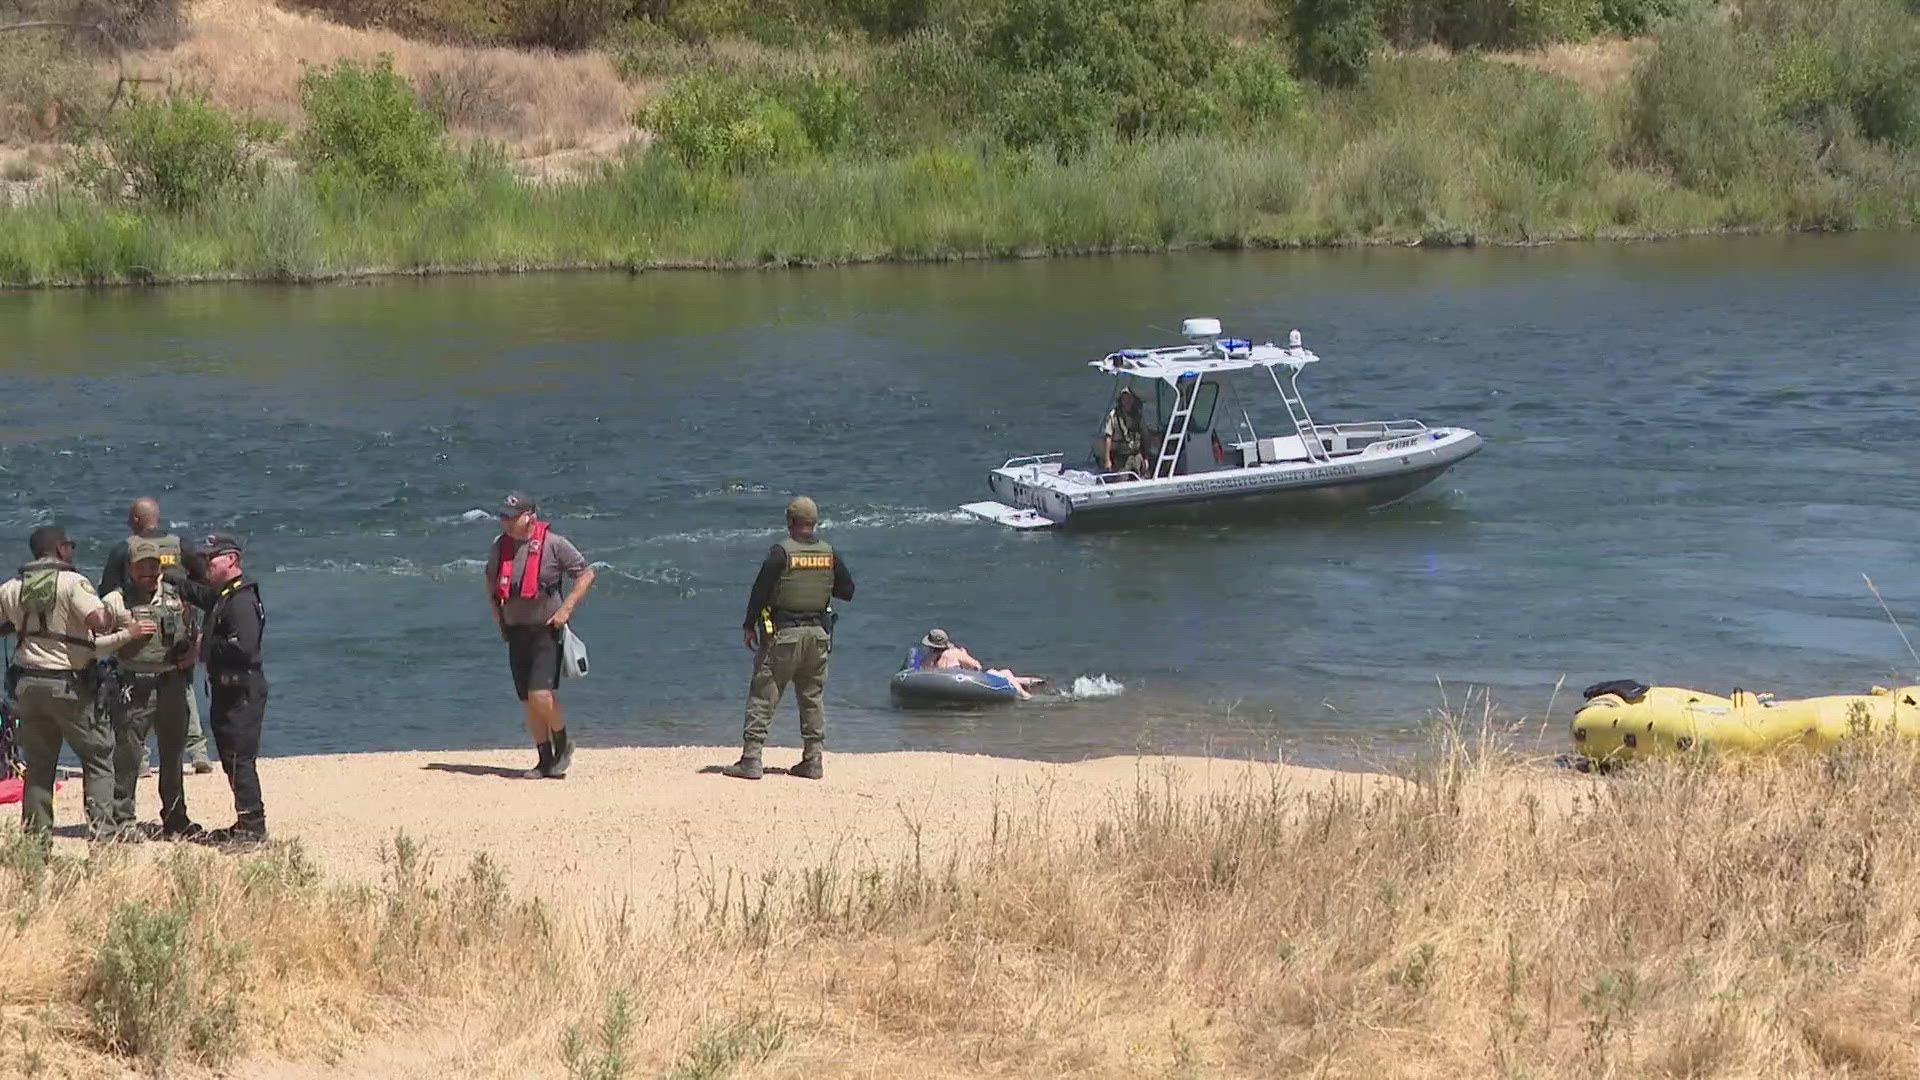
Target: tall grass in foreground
1482,917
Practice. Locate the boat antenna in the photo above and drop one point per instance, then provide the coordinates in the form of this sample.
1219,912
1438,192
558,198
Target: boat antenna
1896,622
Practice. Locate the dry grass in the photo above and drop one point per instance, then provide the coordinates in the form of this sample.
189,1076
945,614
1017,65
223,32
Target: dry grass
1596,65
249,55
1484,918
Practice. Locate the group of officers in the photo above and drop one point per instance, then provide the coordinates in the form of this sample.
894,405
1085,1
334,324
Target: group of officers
102,671
105,670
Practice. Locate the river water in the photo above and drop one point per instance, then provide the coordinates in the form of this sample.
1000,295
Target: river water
1695,451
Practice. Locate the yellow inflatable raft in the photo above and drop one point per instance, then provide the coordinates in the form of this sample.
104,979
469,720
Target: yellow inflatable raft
1626,720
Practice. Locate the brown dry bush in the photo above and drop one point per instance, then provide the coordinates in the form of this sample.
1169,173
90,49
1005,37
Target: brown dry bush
250,55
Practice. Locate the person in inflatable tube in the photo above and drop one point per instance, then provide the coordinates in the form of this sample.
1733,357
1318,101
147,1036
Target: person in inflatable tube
524,572
942,654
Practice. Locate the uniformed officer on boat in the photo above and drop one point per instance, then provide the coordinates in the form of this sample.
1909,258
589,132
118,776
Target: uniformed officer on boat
789,629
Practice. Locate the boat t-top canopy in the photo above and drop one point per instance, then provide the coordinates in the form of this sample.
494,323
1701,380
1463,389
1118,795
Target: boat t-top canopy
1206,352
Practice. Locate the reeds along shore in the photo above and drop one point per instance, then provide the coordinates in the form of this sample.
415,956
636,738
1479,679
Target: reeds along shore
1482,916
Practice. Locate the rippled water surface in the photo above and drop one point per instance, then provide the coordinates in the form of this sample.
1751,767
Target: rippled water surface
1695,451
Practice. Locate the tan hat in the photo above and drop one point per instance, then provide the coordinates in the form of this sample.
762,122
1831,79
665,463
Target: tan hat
803,509
141,547
937,639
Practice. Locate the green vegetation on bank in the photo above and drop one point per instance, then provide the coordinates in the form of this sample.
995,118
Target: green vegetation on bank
1033,126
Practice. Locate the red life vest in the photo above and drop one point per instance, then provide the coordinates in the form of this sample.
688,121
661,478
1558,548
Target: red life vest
530,574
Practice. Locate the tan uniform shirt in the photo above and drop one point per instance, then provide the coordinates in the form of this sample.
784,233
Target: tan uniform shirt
74,600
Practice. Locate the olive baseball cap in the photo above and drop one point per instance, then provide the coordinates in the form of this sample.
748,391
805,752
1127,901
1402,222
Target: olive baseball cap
803,509
141,547
218,543
517,503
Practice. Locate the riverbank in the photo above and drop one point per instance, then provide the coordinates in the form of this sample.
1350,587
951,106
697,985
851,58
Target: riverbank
1481,916
720,156
936,205
640,828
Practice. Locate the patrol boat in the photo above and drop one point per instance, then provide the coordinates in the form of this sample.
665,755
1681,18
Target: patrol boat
1211,461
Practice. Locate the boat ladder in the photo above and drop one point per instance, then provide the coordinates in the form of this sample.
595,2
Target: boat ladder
1302,420
1186,392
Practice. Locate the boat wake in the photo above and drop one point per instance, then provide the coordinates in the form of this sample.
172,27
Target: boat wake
1095,686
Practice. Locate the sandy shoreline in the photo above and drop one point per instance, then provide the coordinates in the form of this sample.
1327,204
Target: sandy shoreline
644,824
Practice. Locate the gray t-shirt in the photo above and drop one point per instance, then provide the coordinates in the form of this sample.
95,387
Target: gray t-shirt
561,557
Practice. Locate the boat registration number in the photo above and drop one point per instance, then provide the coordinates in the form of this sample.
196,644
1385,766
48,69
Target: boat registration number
1398,444
1304,476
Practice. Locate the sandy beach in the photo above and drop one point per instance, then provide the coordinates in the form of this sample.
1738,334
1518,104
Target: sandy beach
642,825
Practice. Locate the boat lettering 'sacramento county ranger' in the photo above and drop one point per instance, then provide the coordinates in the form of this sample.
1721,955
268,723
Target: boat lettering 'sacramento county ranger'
1205,459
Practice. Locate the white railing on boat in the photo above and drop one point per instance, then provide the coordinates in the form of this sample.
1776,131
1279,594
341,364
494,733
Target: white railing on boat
1032,459
1362,427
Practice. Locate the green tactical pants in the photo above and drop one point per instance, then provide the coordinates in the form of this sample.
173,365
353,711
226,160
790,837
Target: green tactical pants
158,707
196,736
52,708
797,655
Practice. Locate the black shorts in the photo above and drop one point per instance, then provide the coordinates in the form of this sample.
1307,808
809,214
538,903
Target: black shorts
533,652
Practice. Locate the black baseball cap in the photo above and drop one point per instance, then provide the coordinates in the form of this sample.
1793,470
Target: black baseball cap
43,540
517,503
219,543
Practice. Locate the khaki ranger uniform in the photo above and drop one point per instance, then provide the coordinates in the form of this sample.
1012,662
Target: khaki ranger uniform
158,688
1129,441
48,605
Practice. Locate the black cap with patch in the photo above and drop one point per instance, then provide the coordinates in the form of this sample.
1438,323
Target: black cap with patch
516,504
219,543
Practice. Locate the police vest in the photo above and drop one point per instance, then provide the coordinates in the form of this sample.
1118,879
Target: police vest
1128,439
158,654
806,585
168,544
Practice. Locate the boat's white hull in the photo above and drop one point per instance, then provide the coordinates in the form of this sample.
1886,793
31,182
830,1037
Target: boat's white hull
1042,494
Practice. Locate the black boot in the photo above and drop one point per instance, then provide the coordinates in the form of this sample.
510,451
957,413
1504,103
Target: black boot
540,771
748,767
809,767
562,755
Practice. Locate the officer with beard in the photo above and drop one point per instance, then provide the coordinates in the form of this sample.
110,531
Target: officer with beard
157,670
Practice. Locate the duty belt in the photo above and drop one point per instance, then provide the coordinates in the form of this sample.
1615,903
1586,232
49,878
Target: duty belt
65,675
785,619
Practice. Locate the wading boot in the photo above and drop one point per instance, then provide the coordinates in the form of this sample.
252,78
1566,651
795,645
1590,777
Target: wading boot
809,767
562,755
748,767
539,772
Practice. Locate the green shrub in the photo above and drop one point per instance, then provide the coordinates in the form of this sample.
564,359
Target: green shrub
1859,58
366,127
730,124
1332,39
174,151
831,109
1258,84
566,25
1697,106
1147,61
152,994
887,18
1496,24
1634,17
1548,125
